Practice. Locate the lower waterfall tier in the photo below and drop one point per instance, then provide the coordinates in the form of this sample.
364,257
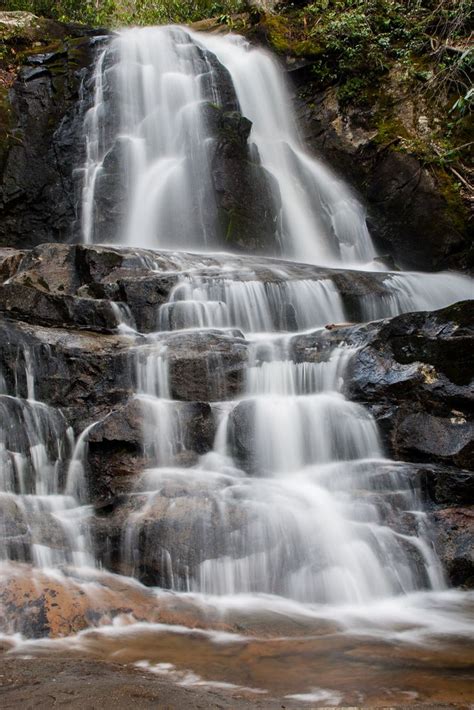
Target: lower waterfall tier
220,443
237,444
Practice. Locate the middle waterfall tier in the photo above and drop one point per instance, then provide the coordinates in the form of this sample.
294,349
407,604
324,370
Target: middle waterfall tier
290,499
277,298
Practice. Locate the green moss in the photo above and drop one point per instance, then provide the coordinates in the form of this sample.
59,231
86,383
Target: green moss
287,36
6,123
389,129
355,91
450,188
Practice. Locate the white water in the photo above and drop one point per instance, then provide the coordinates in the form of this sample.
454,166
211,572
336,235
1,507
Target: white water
160,138
301,529
252,305
322,222
40,520
295,509
164,79
277,301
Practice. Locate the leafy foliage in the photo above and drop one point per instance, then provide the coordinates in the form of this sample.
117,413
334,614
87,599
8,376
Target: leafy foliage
385,56
123,12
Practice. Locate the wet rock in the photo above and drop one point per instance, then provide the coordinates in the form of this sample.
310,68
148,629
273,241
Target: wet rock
83,373
12,521
415,374
73,285
10,260
447,485
206,366
410,211
144,296
356,289
110,196
28,424
30,304
40,183
123,424
443,439
248,198
114,452
400,179
118,451
163,537
23,524
242,434
38,605
454,530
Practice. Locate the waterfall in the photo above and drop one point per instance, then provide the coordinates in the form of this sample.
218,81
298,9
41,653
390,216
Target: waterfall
154,157
298,526
322,221
160,83
237,472
41,520
283,510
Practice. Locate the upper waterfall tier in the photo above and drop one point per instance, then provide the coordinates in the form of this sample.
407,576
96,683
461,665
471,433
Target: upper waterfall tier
192,143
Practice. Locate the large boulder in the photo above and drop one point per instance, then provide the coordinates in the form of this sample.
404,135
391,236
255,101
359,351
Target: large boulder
37,604
416,375
248,197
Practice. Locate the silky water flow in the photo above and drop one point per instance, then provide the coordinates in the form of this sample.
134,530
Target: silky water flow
295,511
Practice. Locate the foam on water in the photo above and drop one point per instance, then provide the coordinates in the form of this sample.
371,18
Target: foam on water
295,513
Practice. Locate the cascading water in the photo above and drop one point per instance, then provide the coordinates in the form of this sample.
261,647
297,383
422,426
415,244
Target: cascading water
321,220
299,529
159,139
165,79
293,510
42,522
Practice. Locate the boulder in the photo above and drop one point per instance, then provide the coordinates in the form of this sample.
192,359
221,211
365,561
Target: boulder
415,374
118,451
248,198
454,530
446,485
37,604
31,304
83,373
206,366
163,536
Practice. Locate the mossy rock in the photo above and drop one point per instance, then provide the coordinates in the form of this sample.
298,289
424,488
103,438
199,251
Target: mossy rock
25,28
286,37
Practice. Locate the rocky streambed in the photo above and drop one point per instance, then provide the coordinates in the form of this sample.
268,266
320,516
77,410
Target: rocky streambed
246,480
74,320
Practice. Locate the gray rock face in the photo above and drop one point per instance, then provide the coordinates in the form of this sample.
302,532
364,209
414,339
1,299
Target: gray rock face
412,371
454,530
409,215
248,197
40,185
415,374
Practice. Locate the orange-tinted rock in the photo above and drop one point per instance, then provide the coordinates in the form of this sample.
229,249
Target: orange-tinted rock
37,603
